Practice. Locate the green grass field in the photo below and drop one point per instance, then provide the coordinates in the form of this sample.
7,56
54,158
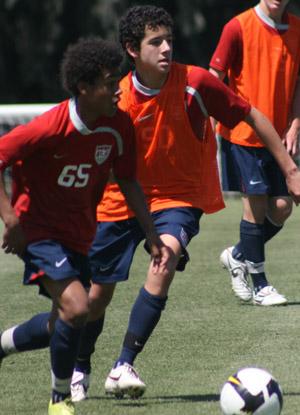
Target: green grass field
204,335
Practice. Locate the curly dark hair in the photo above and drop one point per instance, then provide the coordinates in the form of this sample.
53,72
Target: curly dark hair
132,25
85,59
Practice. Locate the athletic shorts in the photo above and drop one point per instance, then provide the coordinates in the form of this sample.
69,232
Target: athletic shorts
48,257
115,243
251,170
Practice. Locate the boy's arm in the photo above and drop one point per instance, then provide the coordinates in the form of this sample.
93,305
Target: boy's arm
13,236
292,134
268,135
136,200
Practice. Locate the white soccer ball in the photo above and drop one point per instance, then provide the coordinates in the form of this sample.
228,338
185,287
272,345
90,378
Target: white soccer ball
251,391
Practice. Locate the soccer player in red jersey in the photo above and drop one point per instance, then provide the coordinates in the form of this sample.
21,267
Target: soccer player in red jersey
170,105
64,158
259,50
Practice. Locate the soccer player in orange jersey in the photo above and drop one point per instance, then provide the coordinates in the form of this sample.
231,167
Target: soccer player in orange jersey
170,105
66,155
259,50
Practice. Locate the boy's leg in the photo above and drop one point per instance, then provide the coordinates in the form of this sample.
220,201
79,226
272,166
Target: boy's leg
144,316
72,301
176,227
100,296
110,259
30,335
259,176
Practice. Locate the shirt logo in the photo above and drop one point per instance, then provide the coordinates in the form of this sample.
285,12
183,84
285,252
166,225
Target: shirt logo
59,156
255,182
103,269
102,153
58,264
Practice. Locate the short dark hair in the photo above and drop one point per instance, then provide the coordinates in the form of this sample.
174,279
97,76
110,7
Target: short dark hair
84,60
133,23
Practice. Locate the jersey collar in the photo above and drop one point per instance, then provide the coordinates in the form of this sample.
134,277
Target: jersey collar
143,89
76,120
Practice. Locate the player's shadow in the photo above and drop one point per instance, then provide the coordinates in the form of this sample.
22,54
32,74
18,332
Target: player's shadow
291,393
294,303
289,304
159,400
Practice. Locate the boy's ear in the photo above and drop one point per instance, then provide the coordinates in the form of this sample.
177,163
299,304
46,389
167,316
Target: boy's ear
82,87
133,53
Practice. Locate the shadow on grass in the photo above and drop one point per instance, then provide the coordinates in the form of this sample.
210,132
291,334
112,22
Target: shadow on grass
289,304
293,303
291,393
159,399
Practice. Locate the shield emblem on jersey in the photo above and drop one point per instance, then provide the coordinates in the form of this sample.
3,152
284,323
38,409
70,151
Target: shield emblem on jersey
102,153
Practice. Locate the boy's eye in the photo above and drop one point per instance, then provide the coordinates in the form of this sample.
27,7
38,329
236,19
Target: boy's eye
156,42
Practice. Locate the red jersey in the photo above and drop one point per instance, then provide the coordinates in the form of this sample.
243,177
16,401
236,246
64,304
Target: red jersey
64,169
176,149
262,60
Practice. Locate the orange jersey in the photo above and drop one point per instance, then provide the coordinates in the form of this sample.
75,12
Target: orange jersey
174,167
267,79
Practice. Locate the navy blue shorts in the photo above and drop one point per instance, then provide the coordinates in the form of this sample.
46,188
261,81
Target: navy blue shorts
48,257
113,249
251,170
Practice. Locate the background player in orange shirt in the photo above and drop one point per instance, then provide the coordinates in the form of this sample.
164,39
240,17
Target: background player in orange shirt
170,105
259,50
67,154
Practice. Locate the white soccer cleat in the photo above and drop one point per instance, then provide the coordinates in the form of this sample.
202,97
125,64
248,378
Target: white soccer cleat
239,274
79,386
269,296
124,380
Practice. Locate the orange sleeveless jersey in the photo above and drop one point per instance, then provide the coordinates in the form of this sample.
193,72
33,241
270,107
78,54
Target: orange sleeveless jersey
174,168
268,76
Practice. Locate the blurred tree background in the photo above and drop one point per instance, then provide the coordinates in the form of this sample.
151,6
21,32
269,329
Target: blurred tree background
35,33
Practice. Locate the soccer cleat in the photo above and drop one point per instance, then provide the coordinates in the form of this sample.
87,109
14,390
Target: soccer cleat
269,296
65,407
2,355
124,380
79,386
239,274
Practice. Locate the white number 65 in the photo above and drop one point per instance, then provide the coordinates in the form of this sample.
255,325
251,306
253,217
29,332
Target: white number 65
76,176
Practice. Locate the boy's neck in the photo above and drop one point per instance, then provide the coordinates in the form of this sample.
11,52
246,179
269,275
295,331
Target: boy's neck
151,80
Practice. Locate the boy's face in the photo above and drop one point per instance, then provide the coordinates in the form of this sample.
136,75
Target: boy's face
103,96
156,49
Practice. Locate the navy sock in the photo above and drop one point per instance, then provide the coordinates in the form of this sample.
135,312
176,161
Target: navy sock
259,281
252,241
33,334
90,334
270,229
253,247
64,346
144,317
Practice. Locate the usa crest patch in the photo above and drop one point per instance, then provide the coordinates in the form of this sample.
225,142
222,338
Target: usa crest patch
102,153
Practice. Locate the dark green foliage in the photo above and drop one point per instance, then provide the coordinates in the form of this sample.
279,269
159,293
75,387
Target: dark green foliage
35,33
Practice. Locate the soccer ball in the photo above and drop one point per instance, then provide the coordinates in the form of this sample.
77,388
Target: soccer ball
251,391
